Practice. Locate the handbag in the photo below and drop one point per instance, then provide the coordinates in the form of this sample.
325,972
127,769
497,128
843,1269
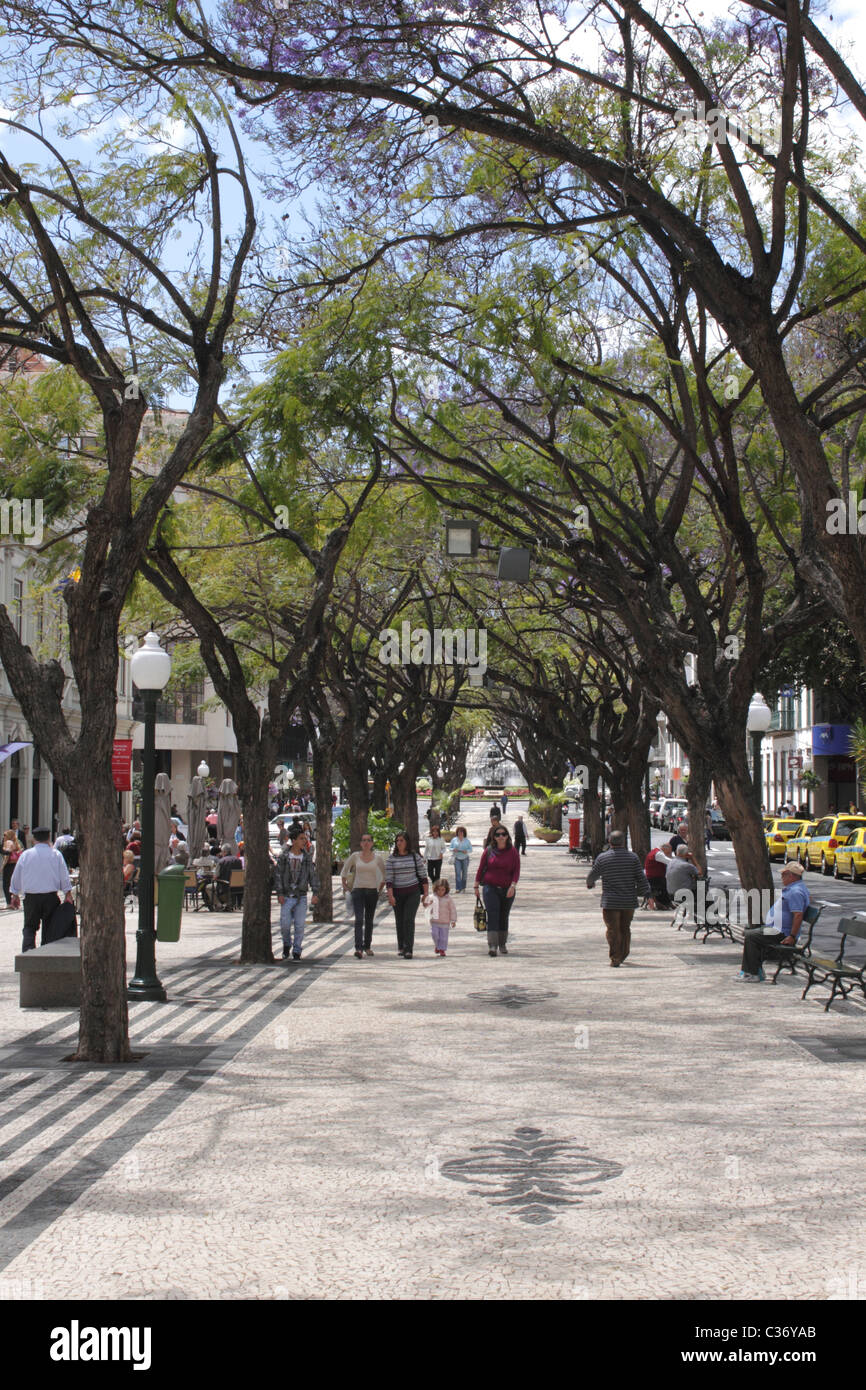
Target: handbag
480,917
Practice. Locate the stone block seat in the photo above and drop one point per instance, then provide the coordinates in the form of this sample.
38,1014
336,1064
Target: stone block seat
50,976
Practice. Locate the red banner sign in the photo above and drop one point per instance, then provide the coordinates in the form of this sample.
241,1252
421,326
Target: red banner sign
121,764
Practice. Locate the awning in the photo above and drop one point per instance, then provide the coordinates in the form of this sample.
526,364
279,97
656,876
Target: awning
7,749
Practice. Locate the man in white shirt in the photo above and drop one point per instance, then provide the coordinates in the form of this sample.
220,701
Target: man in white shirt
40,874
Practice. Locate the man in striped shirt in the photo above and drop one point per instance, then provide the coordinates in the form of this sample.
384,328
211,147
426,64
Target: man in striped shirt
622,879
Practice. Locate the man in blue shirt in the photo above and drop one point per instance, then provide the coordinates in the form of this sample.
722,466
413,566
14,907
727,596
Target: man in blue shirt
781,927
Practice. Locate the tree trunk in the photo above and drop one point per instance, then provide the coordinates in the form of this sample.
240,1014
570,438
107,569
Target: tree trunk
637,819
592,825
618,802
255,762
379,796
405,803
359,804
739,803
696,795
324,909
103,1031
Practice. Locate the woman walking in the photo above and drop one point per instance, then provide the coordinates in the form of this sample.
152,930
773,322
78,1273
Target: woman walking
363,875
497,878
407,883
461,849
443,916
12,849
434,851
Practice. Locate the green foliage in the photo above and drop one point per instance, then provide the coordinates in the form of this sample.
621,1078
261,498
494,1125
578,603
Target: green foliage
380,826
546,807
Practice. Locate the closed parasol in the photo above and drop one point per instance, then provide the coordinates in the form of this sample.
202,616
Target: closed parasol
196,810
163,828
229,811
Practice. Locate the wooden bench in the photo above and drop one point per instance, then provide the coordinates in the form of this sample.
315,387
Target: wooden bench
50,976
842,976
190,888
236,888
790,956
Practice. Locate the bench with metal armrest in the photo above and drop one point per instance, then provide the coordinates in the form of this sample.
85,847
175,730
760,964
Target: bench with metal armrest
842,975
801,950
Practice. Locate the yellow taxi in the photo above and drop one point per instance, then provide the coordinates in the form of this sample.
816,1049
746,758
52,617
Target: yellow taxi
851,857
829,834
796,846
777,833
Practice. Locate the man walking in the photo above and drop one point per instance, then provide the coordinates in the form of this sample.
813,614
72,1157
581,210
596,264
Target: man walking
294,875
520,835
40,874
622,880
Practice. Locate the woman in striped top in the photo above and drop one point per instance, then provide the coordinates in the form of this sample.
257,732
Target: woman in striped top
406,882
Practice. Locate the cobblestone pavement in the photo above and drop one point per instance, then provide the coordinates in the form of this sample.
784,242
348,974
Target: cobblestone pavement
534,1126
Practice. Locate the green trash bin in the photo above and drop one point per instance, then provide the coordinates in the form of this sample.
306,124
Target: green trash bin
172,882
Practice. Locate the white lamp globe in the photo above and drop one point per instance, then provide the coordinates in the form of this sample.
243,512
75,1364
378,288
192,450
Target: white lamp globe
202,770
151,665
760,716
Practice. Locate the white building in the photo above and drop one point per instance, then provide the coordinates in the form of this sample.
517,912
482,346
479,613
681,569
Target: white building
28,791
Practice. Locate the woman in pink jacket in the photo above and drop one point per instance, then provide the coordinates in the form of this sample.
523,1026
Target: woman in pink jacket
497,878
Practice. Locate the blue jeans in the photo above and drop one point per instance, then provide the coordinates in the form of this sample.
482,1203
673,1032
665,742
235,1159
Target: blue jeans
460,866
293,914
498,908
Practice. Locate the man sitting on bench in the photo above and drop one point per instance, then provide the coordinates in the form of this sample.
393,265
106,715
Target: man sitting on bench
782,925
217,893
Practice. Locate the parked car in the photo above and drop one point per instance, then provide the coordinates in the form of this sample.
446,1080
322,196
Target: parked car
671,812
779,832
795,847
829,833
719,830
851,857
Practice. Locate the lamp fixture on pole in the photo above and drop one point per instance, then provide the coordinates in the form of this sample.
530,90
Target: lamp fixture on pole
758,721
151,668
202,770
461,538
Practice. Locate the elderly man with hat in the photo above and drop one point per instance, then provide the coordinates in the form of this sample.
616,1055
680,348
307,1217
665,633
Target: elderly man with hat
40,874
781,926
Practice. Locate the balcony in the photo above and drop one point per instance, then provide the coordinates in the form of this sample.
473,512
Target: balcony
183,705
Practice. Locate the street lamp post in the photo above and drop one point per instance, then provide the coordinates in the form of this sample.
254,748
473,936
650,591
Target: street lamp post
151,668
758,722
662,722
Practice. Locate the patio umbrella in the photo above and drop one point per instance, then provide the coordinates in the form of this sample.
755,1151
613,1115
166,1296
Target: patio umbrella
163,828
229,813
195,816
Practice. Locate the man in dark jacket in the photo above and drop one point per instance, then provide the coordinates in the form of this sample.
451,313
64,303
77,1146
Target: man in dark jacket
294,875
217,891
622,879
519,835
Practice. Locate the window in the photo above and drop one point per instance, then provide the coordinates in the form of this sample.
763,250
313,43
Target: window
18,606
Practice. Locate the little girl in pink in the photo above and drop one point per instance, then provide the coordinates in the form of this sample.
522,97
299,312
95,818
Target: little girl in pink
443,915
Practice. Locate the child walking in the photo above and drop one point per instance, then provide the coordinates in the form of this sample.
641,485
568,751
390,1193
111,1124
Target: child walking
443,915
